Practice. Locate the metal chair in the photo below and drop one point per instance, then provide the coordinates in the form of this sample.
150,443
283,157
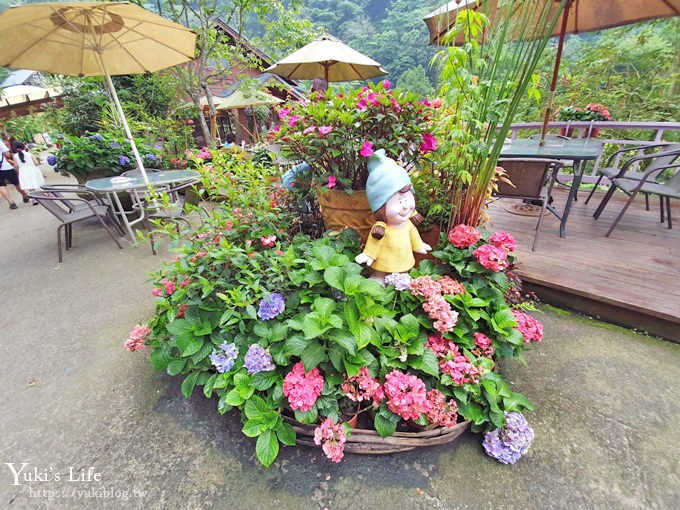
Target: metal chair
71,207
647,184
530,179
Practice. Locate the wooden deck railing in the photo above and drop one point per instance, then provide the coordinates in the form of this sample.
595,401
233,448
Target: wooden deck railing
656,134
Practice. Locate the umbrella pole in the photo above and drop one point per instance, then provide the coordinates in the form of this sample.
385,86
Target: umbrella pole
556,71
121,114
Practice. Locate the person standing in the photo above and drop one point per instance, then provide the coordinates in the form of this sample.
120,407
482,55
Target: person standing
30,176
9,175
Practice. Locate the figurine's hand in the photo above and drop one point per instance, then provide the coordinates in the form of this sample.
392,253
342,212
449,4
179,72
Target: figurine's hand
424,249
362,258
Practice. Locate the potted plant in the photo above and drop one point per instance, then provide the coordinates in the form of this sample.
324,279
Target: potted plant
290,334
591,112
336,134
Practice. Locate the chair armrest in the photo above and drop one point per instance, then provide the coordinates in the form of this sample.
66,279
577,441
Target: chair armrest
655,171
636,148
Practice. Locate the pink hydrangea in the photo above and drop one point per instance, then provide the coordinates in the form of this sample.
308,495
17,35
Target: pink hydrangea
181,311
459,368
441,412
492,257
503,240
363,387
406,395
439,345
449,286
184,283
531,329
424,286
463,236
333,438
302,389
169,286
137,336
484,343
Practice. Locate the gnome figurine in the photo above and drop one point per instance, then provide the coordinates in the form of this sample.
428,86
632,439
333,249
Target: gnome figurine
393,238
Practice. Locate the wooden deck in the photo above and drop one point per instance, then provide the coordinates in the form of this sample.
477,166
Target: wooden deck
631,278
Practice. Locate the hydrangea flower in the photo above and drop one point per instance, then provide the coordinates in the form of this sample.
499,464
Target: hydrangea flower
401,281
333,437
302,388
137,337
406,395
123,160
508,443
363,387
98,137
463,236
531,329
484,344
115,145
441,412
224,358
51,160
492,257
258,359
503,240
150,157
271,306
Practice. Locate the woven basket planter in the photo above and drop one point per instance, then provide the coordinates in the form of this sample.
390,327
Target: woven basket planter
367,441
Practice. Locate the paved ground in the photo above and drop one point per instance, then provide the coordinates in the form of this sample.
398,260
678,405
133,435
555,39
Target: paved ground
606,424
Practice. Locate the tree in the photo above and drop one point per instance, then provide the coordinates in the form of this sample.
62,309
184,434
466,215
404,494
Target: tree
415,80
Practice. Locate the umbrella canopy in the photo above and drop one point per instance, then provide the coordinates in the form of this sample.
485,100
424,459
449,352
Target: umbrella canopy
578,16
93,39
241,99
329,58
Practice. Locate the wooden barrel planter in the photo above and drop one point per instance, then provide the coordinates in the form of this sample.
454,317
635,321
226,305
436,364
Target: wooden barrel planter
341,210
367,441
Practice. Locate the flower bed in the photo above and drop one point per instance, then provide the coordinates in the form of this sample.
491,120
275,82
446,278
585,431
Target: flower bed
290,327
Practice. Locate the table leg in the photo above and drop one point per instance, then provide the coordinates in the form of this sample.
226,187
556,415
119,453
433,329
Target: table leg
123,215
575,183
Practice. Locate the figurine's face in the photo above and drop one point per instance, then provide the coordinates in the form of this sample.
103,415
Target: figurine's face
399,208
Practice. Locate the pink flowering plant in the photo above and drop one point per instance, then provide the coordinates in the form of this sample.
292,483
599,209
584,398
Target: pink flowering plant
287,330
337,134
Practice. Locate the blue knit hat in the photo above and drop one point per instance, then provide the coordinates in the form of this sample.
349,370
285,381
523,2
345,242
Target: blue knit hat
385,178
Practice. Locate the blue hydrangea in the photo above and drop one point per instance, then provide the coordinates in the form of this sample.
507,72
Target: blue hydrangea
115,145
150,157
98,137
257,360
51,160
271,306
123,160
401,281
224,358
508,443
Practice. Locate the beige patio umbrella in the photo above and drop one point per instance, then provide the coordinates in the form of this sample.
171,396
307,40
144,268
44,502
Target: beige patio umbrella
578,16
329,58
93,39
242,99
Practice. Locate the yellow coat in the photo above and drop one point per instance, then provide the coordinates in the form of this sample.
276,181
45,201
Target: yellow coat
394,252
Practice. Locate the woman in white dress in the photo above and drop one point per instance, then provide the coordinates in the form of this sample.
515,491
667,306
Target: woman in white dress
30,176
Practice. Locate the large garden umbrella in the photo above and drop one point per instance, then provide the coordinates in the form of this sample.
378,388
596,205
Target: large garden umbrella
329,58
93,39
243,99
578,16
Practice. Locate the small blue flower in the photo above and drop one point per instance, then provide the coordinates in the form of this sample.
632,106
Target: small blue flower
271,306
223,360
150,157
98,137
257,360
123,160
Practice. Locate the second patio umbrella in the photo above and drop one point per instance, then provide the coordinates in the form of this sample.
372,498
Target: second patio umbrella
93,39
578,16
327,58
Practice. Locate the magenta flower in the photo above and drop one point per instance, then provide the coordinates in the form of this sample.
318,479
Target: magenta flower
308,130
386,84
366,149
284,113
429,143
324,130
333,437
441,412
362,387
137,336
268,241
503,240
332,182
361,105
302,389
406,395
484,343
293,120
531,329
169,287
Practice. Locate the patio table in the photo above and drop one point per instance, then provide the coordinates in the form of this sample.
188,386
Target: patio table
579,151
113,185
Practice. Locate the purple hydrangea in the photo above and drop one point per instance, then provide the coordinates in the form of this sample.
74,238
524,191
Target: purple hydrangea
123,160
401,281
51,160
258,359
115,145
508,443
271,306
98,137
224,358
150,157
